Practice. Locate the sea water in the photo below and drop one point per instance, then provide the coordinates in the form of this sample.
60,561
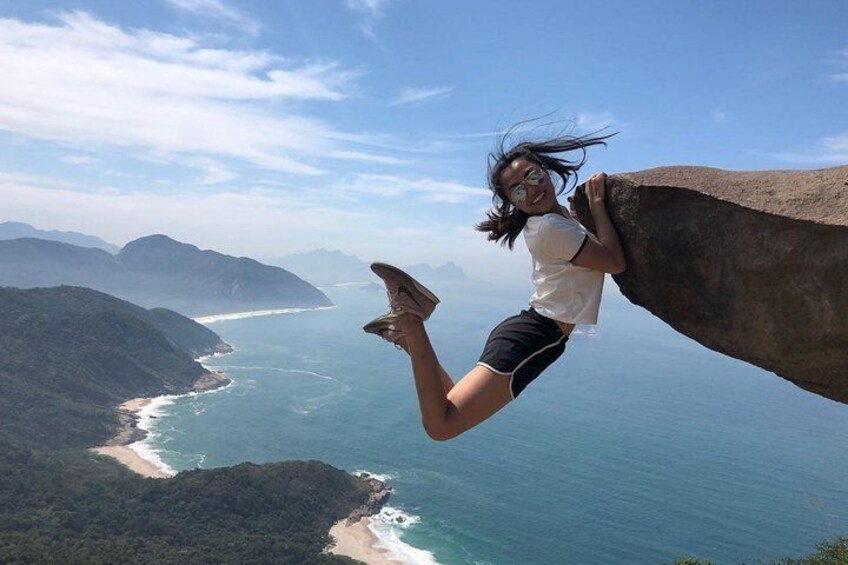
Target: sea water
638,446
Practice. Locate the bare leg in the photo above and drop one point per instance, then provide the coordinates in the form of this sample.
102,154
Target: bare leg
446,413
447,382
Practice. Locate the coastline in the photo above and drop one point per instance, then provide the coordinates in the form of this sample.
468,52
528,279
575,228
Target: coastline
357,541
351,537
130,433
122,453
206,320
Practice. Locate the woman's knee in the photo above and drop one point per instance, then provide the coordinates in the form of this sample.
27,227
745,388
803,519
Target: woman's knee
440,430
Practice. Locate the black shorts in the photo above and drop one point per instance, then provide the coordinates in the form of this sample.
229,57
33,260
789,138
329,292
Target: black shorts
521,347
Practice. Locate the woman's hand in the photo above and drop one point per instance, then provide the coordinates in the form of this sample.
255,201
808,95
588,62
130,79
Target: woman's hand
571,209
604,253
596,191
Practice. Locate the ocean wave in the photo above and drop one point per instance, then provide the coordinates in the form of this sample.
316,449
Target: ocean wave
355,284
308,405
278,370
388,526
203,358
147,417
368,474
200,459
255,313
396,517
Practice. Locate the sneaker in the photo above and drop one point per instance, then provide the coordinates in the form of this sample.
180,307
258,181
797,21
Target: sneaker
406,295
385,326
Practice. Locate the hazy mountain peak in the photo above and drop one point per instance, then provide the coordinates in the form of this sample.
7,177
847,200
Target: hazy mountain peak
157,270
157,240
330,267
17,230
324,266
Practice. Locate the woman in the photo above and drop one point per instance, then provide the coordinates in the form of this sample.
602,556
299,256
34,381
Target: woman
568,273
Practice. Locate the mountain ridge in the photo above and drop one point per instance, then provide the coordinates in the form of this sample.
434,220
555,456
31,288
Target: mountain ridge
16,230
158,271
324,267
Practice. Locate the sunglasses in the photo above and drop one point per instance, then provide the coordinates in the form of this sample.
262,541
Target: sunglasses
518,193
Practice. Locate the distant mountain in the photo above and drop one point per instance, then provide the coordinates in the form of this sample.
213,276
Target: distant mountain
16,230
447,273
158,271
325,268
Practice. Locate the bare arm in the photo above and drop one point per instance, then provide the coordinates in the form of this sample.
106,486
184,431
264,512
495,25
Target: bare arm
603,253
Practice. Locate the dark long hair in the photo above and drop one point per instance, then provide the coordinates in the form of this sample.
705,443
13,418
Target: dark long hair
505,221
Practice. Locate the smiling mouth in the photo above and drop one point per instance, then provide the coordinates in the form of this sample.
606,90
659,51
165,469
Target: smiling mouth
538,198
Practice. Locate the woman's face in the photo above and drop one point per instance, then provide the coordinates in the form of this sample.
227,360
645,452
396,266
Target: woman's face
528,186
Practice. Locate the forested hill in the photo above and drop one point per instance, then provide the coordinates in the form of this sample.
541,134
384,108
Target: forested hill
67,357
158,271
71,354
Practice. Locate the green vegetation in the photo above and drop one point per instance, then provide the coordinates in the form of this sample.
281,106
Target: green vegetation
833,552
69,355
68,507
829,553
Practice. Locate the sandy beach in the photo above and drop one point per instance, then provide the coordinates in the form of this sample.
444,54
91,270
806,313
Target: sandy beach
132,460
119,446
358,542
354,540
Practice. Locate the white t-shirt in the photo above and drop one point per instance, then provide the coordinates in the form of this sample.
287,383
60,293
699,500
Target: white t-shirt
564,291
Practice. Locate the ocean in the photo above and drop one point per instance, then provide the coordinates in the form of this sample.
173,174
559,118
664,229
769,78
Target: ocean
639,446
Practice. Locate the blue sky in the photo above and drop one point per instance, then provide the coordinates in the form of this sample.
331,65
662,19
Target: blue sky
268,128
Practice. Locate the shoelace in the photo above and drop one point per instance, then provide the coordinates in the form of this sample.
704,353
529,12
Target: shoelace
395,298
392,334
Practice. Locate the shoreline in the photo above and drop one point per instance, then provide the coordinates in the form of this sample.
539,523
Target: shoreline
349,538
122,452
214,318
130,433
357,541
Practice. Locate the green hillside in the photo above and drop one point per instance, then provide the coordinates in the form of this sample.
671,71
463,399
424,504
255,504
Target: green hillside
69,356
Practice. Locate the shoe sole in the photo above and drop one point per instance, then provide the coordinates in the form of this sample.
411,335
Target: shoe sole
377,267
374,326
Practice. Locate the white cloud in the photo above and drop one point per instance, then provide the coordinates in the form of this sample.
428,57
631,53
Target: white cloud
86,81
262,222
409,95
588,122
367,158
10,179
370,7
427,189
719,116
212,172
831,150
842,61
369,12
80,160
218,11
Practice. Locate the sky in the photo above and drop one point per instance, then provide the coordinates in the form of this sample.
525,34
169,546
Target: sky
262,129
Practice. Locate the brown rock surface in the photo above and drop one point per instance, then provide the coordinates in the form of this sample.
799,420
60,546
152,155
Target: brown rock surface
750,264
